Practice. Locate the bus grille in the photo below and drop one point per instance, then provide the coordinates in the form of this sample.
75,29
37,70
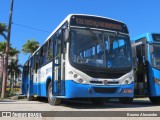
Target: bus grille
96,74
104,90
100,82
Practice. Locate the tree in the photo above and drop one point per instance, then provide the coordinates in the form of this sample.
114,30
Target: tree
3,29
12,52
2,51
14,71
30,46
7,52
2,47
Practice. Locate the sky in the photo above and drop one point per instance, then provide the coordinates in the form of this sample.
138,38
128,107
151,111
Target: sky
141,16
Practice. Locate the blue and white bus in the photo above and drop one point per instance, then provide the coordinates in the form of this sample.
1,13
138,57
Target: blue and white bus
86,56
146,54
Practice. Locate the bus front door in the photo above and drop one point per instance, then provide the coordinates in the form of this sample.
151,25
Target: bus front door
57,68
141,83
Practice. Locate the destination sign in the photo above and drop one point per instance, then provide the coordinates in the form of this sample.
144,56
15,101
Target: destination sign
98,22
156,37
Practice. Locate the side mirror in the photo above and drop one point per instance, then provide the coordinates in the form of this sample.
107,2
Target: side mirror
65,34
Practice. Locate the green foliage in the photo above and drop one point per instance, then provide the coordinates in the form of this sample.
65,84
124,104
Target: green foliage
2,47
10,93
14,70
12,51
30,46
3,29
14,67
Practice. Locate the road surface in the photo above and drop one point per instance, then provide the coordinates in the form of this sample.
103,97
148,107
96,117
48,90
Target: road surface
78,108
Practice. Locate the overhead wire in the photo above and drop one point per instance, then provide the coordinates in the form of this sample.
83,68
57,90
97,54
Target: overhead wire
29,27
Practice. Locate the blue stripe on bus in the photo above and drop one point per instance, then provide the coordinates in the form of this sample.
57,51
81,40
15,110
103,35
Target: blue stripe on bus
40,89
154,88
75,90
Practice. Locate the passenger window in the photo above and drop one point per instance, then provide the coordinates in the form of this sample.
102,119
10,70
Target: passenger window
45,54
50,50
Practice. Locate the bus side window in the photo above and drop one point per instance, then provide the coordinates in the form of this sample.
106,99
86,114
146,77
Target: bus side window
50,50
40,57
45,54
36,62
31,68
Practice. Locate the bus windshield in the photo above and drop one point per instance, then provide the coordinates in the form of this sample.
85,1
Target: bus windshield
155,54
99,49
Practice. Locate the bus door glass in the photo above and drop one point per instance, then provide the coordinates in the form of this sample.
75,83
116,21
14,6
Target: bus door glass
31,75
141,73
57,67
35,76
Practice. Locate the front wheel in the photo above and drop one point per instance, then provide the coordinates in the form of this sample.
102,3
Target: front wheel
126,100
155,100
52,101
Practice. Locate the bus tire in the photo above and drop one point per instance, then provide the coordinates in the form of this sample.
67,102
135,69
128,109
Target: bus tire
52,101
29,97
126,100
97,101
155,100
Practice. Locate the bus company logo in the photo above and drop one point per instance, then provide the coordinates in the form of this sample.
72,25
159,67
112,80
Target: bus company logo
21,114
6,114
105,82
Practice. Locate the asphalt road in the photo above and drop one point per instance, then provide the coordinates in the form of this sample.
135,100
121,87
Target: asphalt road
78,108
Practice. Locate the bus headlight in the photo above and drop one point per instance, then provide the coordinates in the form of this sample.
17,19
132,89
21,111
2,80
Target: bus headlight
80,80
76,77
157,81
129,80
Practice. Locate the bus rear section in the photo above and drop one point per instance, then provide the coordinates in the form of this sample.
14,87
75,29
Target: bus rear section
146,56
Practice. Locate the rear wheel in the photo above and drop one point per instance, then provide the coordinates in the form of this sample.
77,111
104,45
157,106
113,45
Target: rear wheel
29,97
51,100
155,100
126,100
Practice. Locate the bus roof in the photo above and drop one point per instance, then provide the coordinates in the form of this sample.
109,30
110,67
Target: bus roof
147,34
68,18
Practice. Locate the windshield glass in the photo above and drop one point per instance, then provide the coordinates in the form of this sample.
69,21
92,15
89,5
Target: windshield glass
156,37
99,49
155,55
